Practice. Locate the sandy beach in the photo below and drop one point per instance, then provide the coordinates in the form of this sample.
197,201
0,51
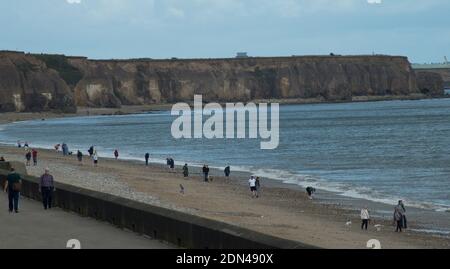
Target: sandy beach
279,211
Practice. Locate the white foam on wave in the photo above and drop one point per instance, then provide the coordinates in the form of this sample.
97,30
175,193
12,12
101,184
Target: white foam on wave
341,189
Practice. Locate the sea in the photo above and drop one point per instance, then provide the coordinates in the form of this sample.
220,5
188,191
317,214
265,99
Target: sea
379,151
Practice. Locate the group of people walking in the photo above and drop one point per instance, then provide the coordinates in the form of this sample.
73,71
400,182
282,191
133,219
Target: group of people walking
13,186
400,221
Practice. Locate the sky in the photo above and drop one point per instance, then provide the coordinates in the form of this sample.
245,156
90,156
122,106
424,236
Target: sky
105,29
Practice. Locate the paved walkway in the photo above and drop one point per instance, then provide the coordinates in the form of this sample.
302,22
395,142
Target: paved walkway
34,228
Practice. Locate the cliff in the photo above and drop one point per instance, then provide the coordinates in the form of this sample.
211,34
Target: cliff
27,84
112,83
444,73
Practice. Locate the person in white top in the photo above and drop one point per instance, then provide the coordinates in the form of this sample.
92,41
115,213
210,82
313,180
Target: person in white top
365,218
95,158
252,183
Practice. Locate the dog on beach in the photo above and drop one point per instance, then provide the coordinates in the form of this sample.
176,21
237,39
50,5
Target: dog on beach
181,189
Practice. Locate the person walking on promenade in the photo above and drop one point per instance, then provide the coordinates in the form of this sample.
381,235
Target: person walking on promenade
80,157
147,157
116,154
365,218
206,173
28,158
227,171
185,170
35,156
46,188
252,184
13,186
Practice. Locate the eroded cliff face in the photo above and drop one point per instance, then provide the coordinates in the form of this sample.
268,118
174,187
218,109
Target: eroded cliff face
112,83
430,83
26,84
96,83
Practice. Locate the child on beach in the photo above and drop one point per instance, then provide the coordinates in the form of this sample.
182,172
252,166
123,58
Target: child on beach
95,158
252,184
365,218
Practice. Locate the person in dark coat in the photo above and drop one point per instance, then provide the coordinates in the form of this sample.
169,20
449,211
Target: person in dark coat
227,171
185,170
206,173
147,157
80,157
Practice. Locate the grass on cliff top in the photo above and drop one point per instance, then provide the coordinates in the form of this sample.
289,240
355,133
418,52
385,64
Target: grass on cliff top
68,73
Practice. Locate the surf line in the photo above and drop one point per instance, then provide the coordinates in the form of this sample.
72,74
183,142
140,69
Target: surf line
229,122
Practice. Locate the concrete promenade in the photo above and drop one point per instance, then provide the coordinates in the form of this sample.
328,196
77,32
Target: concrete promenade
35,228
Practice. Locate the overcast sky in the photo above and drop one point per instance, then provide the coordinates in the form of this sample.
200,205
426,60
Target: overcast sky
419,29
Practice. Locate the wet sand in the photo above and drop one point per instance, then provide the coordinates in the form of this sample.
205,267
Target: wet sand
280,211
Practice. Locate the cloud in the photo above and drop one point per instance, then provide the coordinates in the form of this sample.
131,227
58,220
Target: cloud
73,1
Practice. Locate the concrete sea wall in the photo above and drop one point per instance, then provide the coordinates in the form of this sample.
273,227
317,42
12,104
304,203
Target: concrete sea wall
183,230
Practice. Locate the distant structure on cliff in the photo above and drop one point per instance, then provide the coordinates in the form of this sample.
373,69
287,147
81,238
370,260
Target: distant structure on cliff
444,65
241,55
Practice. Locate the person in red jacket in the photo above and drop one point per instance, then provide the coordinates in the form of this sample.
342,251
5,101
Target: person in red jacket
35,155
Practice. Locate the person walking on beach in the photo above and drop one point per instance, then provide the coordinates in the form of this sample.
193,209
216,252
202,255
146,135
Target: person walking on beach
91,151
34,153
252,184
404,220
65,149
57,147
13,186
206,173
365,218
147,157
227,171
398,217
28,158
80,157
95,158
172,165
46,188
116,154
185,170
19,144
310,191
258,186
